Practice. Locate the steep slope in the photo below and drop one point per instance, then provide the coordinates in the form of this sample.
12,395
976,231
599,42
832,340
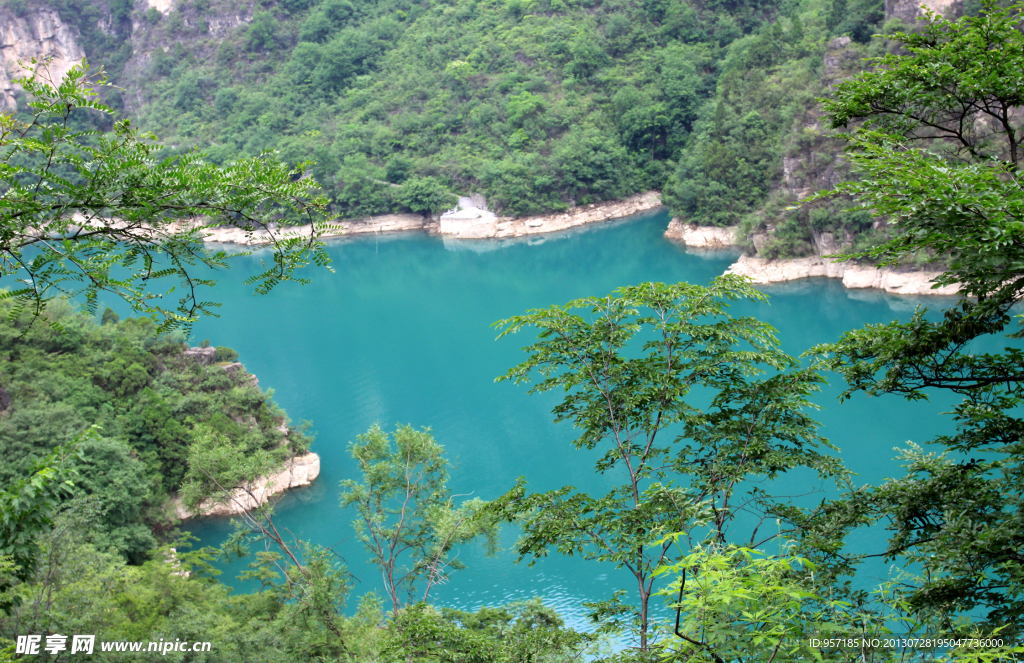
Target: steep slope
41,36
146,394
537,104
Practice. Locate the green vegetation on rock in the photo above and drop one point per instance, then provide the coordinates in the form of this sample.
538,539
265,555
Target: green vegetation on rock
538,104
144,394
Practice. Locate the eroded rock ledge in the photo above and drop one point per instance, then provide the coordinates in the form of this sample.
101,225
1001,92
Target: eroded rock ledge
764,271
702,237
464,224
299,471
386,223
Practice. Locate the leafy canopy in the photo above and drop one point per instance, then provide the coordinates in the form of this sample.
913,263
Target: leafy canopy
407,519
84,212
633,370
934,133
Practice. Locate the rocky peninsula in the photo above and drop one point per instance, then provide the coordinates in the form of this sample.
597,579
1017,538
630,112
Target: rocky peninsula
297,471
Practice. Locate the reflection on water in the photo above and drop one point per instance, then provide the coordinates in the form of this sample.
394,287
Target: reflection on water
401,334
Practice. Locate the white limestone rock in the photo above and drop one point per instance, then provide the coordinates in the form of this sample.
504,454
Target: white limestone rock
42,36
299,471
854,276
702,237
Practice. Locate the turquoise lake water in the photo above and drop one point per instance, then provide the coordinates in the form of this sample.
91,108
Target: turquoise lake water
401,334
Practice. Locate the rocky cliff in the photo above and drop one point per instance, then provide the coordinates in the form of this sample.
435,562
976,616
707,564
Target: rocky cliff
294,473
39,35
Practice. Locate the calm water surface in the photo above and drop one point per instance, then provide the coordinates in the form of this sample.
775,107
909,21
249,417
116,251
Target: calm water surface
401,334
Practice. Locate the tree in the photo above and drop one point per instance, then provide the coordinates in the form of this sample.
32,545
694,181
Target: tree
119,482
221,472
516,633
28,506
425,195
633,371
407,520
935,135
737,604
84,212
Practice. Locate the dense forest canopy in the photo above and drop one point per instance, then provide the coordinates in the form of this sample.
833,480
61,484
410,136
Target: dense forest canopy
145,395
538,105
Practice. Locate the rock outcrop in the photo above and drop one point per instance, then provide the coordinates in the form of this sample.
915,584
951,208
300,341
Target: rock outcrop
488,226
911,11
237,371
41,35
202,356
896,282
702,237
299,471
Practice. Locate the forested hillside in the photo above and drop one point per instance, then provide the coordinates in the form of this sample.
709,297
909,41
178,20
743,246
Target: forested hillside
144,392
538,104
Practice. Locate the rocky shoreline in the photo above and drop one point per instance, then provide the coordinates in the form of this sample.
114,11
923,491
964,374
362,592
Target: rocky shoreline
296,472
468,221
471,220
854,276
766,272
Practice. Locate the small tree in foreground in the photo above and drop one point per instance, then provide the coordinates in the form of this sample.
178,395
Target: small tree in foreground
635,370
84,212
737,604
407,518
310,576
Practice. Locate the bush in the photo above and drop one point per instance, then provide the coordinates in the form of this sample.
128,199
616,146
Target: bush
226,354
426,195
262,33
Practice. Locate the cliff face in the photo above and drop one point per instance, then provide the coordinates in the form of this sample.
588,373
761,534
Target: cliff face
40,35
813,161
180,31
910,11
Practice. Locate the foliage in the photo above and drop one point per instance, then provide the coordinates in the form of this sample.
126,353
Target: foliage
28,505
734,603
935,135
407,520
221,472
633,372
108,470
88,213
523,631
538,104
144,396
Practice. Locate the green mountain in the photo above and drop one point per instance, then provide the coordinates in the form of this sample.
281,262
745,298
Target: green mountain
536,104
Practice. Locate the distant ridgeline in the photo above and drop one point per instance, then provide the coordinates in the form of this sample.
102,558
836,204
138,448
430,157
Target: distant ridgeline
536,104
146,393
